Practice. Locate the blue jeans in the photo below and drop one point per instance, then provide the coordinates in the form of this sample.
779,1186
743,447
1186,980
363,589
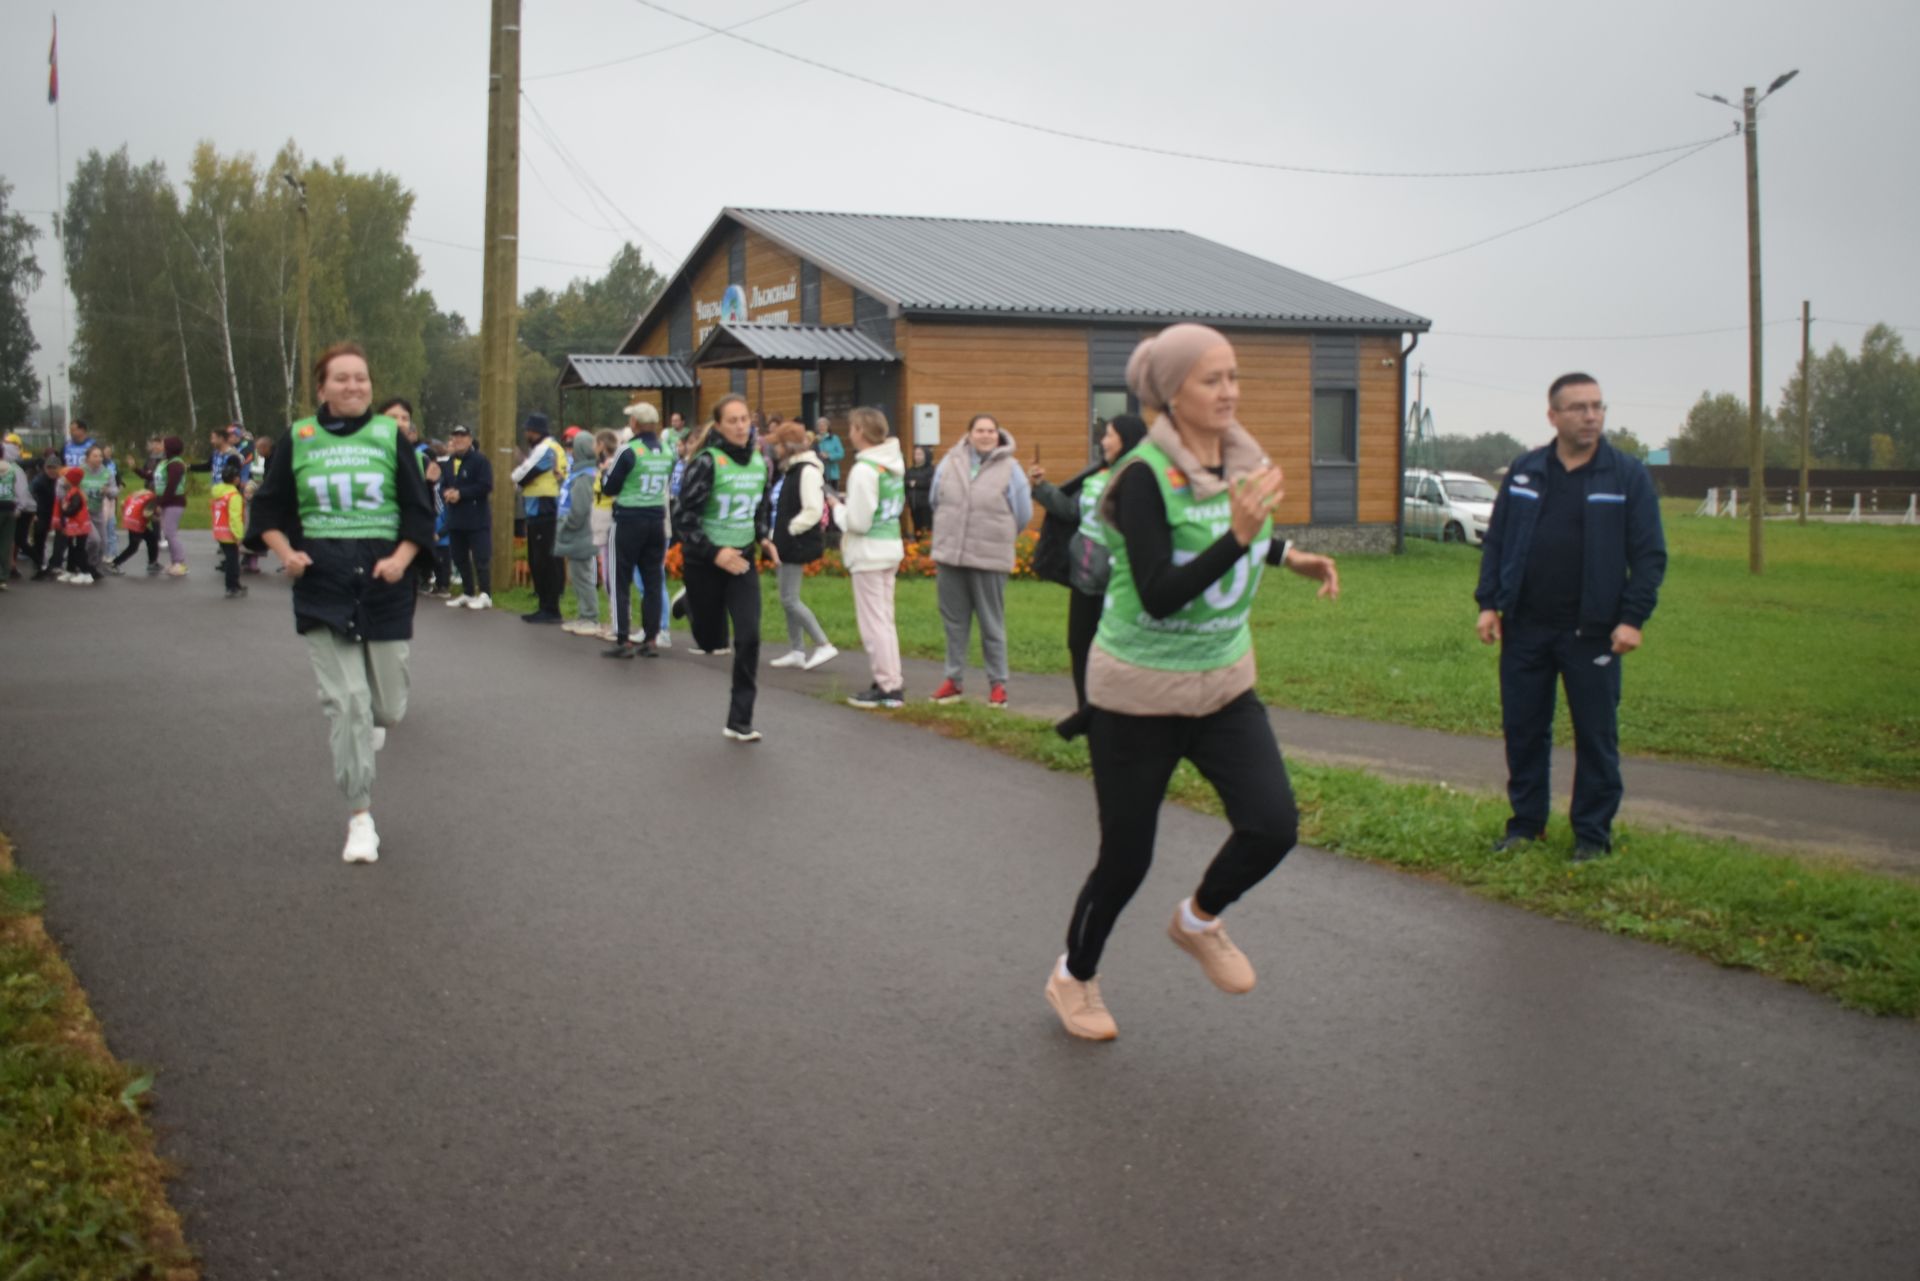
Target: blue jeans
1533,661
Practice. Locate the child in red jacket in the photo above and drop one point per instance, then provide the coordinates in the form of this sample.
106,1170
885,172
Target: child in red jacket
76,524
143,526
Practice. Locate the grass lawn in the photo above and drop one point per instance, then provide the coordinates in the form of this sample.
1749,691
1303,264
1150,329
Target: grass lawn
1809,669
81,1191
1853,935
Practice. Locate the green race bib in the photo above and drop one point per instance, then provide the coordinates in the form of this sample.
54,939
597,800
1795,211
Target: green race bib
728,516
891,502
1211,631
646,484
346,484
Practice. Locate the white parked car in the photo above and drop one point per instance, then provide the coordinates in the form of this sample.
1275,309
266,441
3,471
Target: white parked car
1452,506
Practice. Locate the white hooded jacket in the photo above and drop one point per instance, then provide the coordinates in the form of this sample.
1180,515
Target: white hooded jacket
858,551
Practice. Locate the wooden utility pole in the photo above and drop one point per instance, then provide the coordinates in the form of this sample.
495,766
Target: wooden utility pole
1806,420
499,306
1756,439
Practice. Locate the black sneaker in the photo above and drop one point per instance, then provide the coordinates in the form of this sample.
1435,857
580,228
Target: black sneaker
677,607
622,649
647,650
542,616
872,696
1585,853
1513,843
894,698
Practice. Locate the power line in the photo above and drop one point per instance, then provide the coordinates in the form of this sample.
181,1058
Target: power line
1867,324
590,186
557,262
564,208
1678,333
1121,145
1536,392
665,48
1501,235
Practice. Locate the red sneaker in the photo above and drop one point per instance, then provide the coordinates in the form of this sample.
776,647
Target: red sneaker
949,692
997,697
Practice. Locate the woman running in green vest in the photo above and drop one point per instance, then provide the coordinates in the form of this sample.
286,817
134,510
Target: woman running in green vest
345,509
721,517
1188,517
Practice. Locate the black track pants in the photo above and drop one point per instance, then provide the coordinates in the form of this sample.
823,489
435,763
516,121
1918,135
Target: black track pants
717,600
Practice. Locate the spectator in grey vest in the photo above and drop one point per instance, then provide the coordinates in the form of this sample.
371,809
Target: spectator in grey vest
981,502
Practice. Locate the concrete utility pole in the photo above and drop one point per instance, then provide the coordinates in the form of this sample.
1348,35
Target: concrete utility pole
1806,419
499,307
1756,439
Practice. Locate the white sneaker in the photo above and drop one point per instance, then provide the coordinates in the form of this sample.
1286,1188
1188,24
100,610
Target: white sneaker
664,640
177,571
747,735
482,601
820,657
363,843
456,602
793,658
379,737
580,627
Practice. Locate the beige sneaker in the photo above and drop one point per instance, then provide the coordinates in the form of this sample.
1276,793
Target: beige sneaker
1080,1008
1224,963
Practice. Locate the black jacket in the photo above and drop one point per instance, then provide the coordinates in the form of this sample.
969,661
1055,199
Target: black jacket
338,590
1626,549
696,486
472,475
1052,558
804,548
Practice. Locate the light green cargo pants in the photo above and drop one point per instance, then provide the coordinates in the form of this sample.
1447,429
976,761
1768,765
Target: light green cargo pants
362,684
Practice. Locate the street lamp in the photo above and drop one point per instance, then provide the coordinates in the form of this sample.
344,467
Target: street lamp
306,341
1750,101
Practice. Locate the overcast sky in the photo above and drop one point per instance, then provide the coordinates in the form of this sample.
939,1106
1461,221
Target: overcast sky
673,138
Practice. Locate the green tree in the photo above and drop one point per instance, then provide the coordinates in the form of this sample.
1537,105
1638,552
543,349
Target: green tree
1853,399
20,275
1623,439
450,388
590,315
1483,455
1715,435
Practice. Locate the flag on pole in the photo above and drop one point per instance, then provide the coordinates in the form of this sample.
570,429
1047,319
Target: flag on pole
53,64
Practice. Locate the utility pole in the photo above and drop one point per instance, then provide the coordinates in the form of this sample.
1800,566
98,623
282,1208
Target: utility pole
1756,440
1806,419
306,338
499,307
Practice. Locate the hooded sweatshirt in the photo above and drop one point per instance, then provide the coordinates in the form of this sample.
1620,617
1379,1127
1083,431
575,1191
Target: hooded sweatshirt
170,474
573,540
858,551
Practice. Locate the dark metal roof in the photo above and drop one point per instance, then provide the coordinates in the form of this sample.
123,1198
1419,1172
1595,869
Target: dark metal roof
970,267
788,346
625,373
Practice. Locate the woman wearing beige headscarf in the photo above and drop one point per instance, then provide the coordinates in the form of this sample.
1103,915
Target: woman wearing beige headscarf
1171,673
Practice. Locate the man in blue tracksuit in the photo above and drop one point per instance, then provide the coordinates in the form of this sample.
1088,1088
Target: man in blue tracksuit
1569,574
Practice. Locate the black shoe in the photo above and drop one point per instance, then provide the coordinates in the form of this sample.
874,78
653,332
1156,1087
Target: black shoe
41,576
647,650
1585,853
872,696
677,607
542,616
621,649
1513,843
234,593
1072,727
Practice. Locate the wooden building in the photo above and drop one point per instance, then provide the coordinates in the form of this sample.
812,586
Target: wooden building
936,319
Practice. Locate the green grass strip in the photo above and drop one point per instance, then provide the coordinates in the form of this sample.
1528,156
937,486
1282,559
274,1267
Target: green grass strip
1851,934
81,1190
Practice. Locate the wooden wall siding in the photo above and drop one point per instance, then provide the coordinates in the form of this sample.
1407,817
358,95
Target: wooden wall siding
1379,430
1276,405
654,342
707,284
836,301
1033,378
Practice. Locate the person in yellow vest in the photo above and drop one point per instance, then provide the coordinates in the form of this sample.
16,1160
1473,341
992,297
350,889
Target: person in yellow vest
345,510
1188,520
722,516
539,477
229,523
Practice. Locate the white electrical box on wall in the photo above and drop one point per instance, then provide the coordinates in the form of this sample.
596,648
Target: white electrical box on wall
926,424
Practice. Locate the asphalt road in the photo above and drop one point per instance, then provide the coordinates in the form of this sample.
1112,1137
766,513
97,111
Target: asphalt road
622,999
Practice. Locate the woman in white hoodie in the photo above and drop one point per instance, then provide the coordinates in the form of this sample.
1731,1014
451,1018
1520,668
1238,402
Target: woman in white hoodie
871,548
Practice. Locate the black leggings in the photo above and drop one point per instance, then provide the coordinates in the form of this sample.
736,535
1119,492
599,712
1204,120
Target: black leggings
642,545
150,536
1083,620
716,599
1133,761
549,575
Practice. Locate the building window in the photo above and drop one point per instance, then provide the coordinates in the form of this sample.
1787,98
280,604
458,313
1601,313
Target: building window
1333,427
1108,403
